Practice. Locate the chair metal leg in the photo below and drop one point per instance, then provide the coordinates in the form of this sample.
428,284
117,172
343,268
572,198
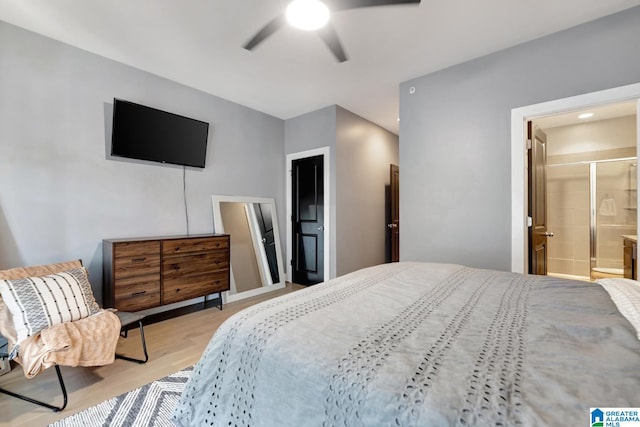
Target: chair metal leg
37,402
144,348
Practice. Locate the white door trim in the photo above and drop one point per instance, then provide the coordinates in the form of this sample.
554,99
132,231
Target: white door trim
324,151
519,118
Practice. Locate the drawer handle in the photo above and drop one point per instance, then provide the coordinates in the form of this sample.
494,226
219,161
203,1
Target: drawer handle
135,294
138,259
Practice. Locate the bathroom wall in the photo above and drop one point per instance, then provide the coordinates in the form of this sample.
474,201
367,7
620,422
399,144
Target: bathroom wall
611,136
568,193
568,219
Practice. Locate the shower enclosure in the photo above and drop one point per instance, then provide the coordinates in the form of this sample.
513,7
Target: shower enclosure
590,206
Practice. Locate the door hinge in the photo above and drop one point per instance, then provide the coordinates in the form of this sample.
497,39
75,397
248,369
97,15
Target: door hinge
529,221
528,144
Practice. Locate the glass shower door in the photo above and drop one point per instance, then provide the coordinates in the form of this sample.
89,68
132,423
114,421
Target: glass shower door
615,206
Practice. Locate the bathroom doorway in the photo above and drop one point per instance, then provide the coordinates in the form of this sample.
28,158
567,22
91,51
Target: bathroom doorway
591,182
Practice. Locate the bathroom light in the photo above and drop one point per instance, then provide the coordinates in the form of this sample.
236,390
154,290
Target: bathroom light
307,15
585,115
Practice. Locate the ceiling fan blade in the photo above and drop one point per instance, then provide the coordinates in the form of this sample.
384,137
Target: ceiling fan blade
330,37
277,23
337,5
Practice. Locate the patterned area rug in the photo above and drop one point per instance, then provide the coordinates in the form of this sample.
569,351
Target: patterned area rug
149,405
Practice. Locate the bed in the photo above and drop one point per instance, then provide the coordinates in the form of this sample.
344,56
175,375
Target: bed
420,344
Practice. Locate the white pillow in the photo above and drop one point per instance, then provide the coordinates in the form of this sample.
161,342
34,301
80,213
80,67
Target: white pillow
36,303
625,293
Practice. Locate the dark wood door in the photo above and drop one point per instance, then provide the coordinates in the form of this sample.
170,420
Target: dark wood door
537,186
394,224
307,219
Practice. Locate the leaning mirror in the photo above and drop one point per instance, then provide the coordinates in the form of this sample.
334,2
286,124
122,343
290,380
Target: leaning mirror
256,258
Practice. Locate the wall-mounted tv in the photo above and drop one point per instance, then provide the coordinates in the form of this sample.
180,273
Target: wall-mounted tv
145,133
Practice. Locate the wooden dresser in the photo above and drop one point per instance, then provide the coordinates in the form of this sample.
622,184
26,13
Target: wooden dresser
143,273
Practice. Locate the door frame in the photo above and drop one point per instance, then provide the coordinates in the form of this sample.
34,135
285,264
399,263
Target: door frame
325,152
519,118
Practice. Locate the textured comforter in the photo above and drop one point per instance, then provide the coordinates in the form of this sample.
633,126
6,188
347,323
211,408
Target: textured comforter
413,344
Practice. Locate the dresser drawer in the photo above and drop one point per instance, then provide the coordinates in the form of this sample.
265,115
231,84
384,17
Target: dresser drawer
180,246
138,300
136,249
137,293
136,259
144,267
178,267
182,288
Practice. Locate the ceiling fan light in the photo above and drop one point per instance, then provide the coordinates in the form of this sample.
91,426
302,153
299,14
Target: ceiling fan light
307,15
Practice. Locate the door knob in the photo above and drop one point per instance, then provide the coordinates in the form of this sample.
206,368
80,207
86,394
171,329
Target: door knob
321,228
548,233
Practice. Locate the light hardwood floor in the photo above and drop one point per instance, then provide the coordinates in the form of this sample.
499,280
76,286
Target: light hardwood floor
172,344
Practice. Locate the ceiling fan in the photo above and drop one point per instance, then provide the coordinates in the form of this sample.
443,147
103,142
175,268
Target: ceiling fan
313,15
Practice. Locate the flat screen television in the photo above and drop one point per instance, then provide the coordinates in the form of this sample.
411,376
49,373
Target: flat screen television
145,133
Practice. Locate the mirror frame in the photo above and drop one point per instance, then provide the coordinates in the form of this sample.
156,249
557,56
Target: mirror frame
218,227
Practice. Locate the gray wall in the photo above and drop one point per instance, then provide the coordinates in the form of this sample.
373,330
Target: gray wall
361,152
455,134
60,195
309,131
364,152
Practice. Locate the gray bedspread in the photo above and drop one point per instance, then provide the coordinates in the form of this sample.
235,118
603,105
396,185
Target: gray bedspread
418,344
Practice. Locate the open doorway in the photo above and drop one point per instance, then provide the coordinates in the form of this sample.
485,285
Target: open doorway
392,242
519,119
590,186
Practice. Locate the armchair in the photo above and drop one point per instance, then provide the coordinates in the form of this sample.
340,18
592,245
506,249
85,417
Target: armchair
50,318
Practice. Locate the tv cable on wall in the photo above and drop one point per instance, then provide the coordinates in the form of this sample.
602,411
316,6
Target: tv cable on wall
184,196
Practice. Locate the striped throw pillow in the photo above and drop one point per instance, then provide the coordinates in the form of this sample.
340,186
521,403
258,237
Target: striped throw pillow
36,303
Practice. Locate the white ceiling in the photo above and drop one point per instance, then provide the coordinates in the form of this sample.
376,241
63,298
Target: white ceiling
599,113
199,43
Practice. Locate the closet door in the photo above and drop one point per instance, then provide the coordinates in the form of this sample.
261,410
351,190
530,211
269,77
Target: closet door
307,219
